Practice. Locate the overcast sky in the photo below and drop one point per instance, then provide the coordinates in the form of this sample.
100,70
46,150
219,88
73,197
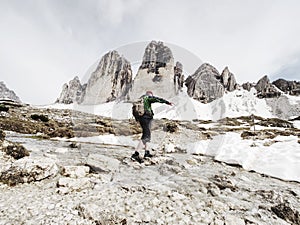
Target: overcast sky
45,43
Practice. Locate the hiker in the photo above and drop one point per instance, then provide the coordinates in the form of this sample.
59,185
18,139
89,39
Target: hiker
144,116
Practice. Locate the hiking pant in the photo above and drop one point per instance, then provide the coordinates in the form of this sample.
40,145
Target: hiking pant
145,122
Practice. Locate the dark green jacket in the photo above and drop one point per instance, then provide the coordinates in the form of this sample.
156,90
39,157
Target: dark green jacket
148,100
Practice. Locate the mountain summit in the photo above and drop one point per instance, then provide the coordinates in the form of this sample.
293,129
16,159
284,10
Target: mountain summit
7,94
156,72
110,81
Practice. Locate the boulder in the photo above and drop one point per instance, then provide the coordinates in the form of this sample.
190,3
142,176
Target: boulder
75,171
285,212
68,184
265,89
171,127
16,151
204,84
28,170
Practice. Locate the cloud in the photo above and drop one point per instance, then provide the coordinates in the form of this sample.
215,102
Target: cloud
290,70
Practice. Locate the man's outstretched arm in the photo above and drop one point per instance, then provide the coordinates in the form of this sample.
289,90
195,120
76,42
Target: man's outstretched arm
154,99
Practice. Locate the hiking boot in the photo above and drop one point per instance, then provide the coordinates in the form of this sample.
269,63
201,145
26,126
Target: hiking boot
136,157
148,154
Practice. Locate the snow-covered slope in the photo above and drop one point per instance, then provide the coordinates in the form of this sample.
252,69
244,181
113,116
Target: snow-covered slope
232,104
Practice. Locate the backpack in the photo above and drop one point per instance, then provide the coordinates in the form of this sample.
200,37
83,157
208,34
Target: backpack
138,108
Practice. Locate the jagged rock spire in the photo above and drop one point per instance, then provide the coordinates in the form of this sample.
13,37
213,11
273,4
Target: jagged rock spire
111,79
71,92
178,76
7,94
228,80
156,56
265,89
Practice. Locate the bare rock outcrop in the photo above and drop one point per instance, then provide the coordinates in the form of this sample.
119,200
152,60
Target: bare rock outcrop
27,170
288,87
111,80
204,84
14,150
228,80
285,212
72,92
156,56
156,72
178,76
247,86
265,89
7,94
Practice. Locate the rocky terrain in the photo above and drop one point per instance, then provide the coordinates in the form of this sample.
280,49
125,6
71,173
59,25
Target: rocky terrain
84,180
239,166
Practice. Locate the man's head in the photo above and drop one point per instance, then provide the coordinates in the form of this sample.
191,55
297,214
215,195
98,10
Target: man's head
149,93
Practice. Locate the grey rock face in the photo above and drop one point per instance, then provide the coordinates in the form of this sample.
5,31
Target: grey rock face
6,94
228,80
247,86
178,76
265,89
156,55
156,72
72,92
285,212
288,87
111,80
204,85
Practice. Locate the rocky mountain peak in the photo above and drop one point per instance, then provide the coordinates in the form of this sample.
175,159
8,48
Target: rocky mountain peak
262,83
156,72
204,84
265,89
111,79
228,80
156,55
7,94
71,92
288,87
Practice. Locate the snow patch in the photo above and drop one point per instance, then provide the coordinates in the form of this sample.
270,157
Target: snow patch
281,159
109,139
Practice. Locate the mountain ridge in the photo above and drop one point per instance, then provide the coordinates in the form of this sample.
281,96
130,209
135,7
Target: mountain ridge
159,72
